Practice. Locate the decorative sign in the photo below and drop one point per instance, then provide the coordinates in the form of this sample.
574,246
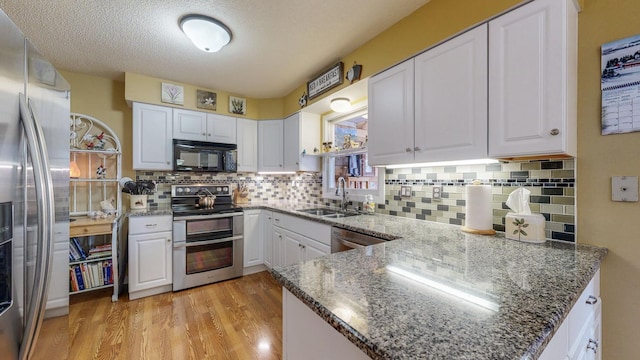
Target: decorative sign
620,85
326,81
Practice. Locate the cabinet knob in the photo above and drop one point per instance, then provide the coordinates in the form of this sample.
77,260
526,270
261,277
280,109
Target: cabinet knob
168,163
407,149
593,345
280,165
297,163
591,300
416,149
169,240
554,132
204,134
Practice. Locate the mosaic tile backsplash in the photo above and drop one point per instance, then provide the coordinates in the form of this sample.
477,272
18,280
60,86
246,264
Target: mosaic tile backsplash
551,182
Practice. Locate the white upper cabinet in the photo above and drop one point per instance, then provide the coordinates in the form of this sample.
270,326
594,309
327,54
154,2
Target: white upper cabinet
247,137
221,129
301,138
451,99
201,126
270,145
189,125
391,116
152,134
432,107
533,80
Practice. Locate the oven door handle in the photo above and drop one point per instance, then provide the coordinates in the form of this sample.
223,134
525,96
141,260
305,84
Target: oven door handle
207,217
202,243
348,243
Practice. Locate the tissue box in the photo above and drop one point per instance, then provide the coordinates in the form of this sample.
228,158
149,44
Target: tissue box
525,227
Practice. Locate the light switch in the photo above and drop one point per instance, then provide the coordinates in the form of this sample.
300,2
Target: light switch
624,188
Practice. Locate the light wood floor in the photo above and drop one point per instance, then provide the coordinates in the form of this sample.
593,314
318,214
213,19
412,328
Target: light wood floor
234,319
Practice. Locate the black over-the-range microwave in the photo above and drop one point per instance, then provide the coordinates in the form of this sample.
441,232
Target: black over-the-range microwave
204,156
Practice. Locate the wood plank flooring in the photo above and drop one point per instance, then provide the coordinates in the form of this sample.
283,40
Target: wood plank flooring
234,319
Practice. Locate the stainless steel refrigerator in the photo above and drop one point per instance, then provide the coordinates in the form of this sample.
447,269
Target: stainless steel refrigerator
34,192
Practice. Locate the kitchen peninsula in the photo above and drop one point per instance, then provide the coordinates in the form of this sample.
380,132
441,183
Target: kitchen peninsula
437,293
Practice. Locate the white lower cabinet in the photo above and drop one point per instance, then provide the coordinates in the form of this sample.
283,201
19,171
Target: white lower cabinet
253,241
579,335
267,234
298,248
150,255
299,239
307,336
277,238
290,239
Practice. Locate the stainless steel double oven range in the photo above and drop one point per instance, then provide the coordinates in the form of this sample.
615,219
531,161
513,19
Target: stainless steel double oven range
207,241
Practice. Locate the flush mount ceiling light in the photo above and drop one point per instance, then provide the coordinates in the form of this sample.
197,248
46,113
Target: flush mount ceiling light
340,104
206,33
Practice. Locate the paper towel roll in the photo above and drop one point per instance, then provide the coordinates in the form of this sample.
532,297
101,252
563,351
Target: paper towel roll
479,213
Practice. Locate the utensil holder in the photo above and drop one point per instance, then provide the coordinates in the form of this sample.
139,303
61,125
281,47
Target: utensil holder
138,202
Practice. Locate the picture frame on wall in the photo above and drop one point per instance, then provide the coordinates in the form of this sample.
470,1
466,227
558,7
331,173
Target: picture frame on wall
172,94
237,105
206,100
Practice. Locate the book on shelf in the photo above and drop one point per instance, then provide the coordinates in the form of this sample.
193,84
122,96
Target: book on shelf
90,275
97,255
79,247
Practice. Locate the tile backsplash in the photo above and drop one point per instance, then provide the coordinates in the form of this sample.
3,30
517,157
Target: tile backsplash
551,182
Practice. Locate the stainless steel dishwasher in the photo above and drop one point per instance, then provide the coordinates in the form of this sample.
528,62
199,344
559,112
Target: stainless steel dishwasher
343,240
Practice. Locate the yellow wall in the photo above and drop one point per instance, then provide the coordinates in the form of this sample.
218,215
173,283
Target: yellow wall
147,89
104,99
600,221
430,24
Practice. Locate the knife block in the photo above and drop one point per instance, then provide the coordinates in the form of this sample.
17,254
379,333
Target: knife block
240,198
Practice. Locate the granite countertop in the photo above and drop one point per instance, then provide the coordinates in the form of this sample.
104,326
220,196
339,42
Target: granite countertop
159,210
403,299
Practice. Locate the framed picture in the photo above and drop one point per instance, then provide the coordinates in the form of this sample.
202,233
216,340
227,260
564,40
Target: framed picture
206,100
172,94
237,105
366,169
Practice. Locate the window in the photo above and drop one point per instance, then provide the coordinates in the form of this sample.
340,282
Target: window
347,134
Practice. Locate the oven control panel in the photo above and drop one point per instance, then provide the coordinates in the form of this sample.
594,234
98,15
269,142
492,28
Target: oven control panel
191,190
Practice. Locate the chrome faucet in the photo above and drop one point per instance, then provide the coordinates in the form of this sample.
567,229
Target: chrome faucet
343,204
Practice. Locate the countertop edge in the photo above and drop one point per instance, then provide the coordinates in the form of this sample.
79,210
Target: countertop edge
329,317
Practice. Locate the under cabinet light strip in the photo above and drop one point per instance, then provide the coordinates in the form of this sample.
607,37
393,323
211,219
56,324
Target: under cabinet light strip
445,163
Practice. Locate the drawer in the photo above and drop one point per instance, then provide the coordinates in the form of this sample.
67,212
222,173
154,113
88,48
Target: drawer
309,228
584,313
150,224
90,230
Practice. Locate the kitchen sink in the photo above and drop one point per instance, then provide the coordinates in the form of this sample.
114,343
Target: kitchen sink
340,215
318,211
328,213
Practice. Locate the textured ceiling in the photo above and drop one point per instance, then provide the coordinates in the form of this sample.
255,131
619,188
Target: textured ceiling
277,45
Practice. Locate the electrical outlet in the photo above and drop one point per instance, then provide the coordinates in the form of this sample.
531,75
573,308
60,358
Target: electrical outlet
436,192
624,188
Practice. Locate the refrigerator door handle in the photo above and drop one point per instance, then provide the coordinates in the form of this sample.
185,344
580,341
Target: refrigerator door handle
46,210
